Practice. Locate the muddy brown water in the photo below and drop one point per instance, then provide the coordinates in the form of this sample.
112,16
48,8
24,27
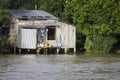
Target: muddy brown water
59,67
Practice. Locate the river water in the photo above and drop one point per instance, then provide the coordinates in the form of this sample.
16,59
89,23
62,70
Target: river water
59,67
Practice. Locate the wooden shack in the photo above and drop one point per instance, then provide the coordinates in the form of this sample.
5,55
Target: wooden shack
34,29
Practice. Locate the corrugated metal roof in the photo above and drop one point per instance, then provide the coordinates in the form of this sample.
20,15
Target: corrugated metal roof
31,14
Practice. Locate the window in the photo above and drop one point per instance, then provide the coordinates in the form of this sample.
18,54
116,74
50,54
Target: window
51,33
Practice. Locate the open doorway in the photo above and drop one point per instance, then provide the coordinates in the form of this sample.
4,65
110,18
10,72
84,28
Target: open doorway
51,33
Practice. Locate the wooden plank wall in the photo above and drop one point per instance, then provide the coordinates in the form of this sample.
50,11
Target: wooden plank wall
67,32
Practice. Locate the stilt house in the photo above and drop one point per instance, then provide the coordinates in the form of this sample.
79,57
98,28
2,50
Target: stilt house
32,29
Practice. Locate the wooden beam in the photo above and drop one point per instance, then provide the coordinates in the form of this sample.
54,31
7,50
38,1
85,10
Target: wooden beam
65,50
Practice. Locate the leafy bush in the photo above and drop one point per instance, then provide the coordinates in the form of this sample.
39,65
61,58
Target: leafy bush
80,40
3,44
99,43
4,30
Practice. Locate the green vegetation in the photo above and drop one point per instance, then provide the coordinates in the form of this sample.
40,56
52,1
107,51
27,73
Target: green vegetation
97,21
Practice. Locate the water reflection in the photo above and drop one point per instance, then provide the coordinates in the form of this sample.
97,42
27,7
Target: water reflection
58,67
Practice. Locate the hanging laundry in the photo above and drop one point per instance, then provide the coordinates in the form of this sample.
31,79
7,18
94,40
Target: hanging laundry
42,32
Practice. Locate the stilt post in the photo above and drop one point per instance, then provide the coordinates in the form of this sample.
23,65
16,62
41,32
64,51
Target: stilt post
46,50
14,50
58,51
38,51
19,51
65,50
74,51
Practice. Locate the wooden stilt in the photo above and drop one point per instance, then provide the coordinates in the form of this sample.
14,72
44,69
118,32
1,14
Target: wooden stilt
28,50
65,50
46,51
58,50
49,50
19,51
14,50
38,51
74,51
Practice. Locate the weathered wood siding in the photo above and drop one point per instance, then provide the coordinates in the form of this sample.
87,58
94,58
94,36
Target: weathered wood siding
15,26
13,33
67,32
68,35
